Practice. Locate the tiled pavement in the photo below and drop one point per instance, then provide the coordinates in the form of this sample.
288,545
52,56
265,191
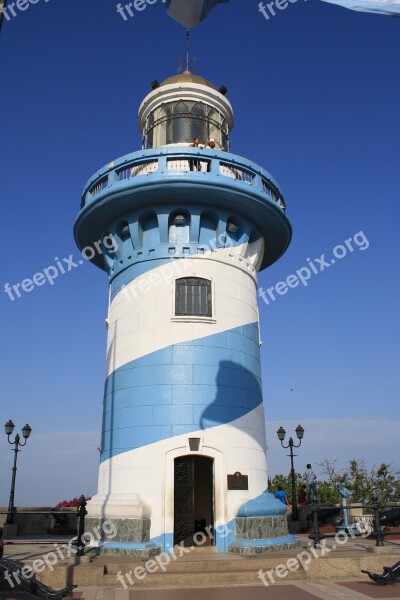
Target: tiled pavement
310,590
359,588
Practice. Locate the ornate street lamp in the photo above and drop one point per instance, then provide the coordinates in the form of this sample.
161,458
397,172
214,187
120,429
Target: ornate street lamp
281,433
26,432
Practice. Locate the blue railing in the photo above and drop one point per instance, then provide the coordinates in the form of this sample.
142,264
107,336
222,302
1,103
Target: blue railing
187,162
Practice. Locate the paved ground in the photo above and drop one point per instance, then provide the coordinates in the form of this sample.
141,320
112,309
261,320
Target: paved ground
34,547
311,590
359,588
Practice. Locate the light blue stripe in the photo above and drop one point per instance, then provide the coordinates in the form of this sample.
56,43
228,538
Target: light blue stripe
195,385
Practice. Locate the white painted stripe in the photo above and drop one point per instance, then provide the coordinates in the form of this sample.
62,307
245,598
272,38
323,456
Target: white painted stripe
142,315
138,482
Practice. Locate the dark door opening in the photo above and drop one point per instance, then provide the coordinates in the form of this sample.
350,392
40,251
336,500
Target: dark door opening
193,498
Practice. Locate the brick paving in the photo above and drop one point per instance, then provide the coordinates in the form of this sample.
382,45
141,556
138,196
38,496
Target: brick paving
345,590
371,590
281,592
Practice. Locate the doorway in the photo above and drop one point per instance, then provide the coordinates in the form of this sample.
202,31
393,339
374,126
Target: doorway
193,498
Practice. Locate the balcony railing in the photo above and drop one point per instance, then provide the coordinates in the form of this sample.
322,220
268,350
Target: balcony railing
144,168
99,186
192,164
197,163
236,173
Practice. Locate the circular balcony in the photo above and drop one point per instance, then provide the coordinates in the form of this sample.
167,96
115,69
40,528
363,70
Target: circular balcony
184,175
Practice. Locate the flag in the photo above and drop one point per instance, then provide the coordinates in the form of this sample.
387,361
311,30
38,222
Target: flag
190,12
3,4
383,7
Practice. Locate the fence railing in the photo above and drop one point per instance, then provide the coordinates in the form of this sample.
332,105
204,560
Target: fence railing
378,532
184,162
81,513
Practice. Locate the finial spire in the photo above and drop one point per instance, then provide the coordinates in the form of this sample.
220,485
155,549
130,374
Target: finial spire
187,62
187,48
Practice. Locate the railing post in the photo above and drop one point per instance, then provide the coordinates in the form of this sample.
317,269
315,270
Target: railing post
162,164
316,534
380,536
82,512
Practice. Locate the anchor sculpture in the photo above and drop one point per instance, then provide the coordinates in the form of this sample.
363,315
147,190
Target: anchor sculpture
390,575
10,570
390,517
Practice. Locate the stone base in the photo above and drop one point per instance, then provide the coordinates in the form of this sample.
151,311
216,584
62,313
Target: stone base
121,537
256,535
259,528
263,546
118,530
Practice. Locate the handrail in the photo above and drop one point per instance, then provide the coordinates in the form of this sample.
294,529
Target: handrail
153,162
378,532
80,513
37,512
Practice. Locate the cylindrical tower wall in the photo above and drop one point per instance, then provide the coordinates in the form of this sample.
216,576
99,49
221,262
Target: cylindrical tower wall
171,377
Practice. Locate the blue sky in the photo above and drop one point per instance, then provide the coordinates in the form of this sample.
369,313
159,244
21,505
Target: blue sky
315,91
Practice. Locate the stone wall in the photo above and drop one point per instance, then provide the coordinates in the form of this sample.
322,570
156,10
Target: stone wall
38,524
257,528
128,530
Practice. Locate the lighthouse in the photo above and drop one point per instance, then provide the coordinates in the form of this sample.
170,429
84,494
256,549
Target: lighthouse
183,448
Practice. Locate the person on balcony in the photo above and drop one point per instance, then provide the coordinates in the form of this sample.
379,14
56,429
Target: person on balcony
211,144
195,165
197,143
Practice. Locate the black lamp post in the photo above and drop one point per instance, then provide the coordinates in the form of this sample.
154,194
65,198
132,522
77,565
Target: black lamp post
26,432
281,436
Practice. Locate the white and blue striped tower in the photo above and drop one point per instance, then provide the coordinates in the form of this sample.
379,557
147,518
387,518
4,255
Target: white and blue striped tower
183,445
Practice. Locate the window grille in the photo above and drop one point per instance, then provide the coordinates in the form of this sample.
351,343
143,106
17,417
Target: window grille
193,297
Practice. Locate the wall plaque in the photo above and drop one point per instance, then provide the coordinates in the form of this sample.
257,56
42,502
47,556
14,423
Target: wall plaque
237,481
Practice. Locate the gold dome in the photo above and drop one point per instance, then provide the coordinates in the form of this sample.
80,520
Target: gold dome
188,77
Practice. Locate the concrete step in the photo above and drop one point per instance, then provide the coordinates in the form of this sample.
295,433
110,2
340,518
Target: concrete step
187,579
220,571
211,566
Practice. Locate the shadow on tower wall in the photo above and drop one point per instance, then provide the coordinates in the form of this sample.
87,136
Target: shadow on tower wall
238,393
